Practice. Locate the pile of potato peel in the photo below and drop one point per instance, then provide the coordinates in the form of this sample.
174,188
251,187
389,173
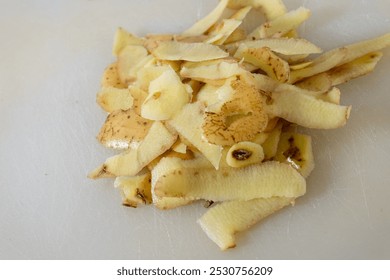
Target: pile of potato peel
213,113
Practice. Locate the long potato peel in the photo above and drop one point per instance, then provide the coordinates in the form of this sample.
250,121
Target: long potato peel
262,181
223,221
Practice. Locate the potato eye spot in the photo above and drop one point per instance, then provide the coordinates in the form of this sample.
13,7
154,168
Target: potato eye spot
241,154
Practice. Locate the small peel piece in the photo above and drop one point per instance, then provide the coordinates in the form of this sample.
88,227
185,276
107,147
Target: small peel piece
266,60
244,154
270,8
222,31
130,59
122,39
135,190
224,220
113,99
188,123
308,111
167,95
217,71
239,119
173,50
205,23
286,46
158,140
296,149
123,130
281,25
111,78
259,181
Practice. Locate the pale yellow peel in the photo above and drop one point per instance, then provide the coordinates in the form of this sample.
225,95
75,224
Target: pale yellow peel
223,221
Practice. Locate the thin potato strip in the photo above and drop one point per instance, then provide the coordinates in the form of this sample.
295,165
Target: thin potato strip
205,23
262,181
241,13
308,111
135,190
280,26
129,163
286,46
320,82
123,39
360,49
219,35
319,65
188,123
221,70
266,60
354,69
271,8
224,220
341,56
188,51
343,73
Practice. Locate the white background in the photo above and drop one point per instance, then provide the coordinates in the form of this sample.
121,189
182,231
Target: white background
51,60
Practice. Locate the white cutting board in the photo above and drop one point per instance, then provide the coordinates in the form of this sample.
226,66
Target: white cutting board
51,60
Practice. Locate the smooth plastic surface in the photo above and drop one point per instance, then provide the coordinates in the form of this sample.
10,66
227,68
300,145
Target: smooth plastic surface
52,57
